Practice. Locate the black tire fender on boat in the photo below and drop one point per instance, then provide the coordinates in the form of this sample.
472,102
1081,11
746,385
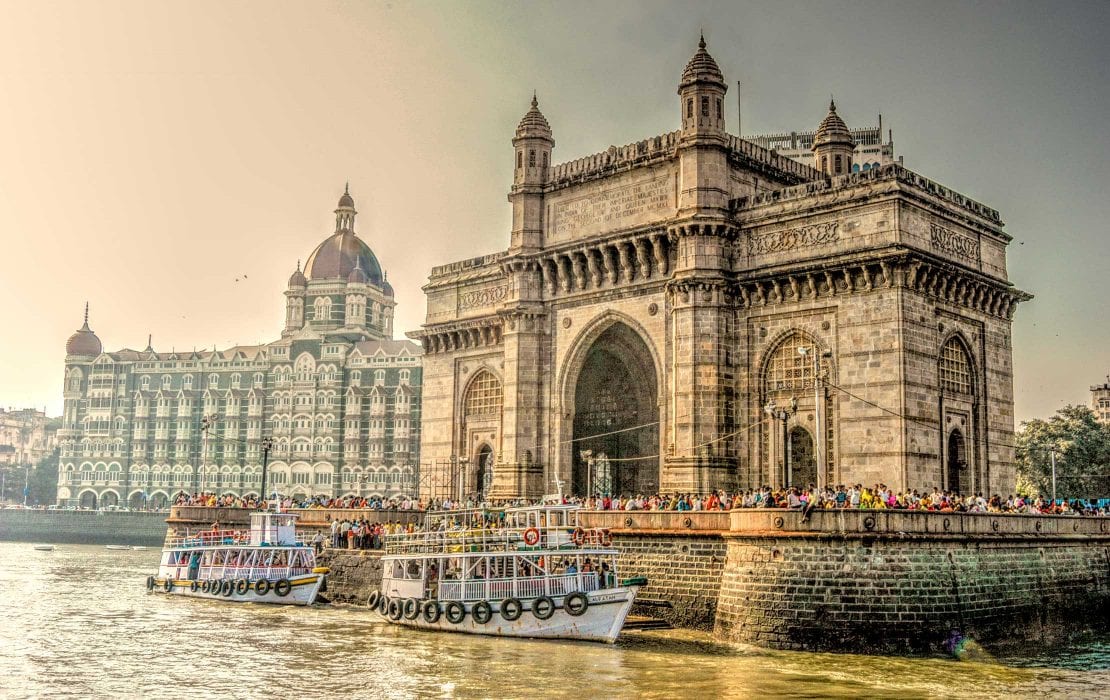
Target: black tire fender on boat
511,609
227,587
455,612
204,586
383,606
412,609
576,604
150,583
242,586
262,586
372,601
431,611
193,586
167,585
395,608
543,607
283,587
482,612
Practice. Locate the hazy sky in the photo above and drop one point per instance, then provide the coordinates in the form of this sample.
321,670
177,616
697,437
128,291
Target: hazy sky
153,152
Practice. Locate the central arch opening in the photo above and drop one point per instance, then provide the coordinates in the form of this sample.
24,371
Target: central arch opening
616,417
484,476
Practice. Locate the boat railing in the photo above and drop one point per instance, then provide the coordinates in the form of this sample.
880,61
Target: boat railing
214,538
523,588
251,573
493,539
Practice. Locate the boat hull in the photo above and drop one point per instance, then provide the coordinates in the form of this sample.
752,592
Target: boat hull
303,591
601,622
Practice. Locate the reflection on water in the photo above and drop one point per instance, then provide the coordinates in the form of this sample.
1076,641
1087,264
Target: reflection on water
77,622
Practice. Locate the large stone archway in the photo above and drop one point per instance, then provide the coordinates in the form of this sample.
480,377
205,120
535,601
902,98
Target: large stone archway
803,460
616,412
959,477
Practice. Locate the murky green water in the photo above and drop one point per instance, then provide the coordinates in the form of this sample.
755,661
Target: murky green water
77,622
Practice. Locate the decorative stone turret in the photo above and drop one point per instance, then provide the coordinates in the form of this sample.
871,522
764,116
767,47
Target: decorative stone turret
833,145
702,96
355,315
294,300
532,144
345,212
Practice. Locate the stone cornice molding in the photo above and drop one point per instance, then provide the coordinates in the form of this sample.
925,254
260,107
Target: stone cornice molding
941,281
460,335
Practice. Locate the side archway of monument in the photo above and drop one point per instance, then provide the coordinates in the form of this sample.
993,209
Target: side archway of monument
629,348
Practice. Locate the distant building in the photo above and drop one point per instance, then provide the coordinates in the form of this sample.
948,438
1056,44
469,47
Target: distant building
870,150
26,436
1100,401
338,396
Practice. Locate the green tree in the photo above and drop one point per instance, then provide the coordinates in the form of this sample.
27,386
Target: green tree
43,482
1082,447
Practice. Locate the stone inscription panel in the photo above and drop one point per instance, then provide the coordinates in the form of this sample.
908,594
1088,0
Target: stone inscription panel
613,208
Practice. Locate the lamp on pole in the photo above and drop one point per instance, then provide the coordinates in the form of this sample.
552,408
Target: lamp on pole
819,439
207,421
1052,455
588,458
783,414
267,445
463,461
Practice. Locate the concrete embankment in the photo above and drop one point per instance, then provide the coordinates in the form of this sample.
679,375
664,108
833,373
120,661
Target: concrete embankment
82,527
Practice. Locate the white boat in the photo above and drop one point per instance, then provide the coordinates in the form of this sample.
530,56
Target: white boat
520,572
269,563
44,548
139,548
117,547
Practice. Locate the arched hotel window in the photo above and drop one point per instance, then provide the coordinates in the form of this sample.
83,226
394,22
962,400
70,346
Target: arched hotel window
483,396
955,368
704,106
531,158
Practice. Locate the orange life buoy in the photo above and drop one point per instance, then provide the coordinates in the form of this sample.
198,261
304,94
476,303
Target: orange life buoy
579,536
531,536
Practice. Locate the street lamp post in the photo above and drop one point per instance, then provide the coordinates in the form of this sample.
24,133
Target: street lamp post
819,439
1052,454
267,445
783,414
207,421
588,456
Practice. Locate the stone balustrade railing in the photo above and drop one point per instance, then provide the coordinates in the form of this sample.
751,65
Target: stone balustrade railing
203,516
896,523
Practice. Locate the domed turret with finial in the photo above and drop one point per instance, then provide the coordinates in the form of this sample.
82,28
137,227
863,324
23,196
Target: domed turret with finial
84,341
533,143
833,145
702,95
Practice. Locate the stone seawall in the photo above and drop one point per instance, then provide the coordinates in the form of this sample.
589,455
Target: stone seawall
353,574
878,581
82,527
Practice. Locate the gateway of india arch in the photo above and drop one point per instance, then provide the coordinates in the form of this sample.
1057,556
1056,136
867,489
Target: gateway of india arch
692,312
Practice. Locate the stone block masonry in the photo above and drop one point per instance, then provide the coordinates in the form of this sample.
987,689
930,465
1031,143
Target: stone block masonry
867,581
353,574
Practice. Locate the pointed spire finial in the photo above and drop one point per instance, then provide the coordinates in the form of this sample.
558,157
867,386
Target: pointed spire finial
535,102
832,103
298,265
86,313
347,187
701,42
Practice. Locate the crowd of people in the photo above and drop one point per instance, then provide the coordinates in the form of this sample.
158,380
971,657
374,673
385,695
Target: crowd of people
857,496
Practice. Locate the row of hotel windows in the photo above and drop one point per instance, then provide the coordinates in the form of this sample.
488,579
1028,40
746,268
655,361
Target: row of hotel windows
235,381
223,479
